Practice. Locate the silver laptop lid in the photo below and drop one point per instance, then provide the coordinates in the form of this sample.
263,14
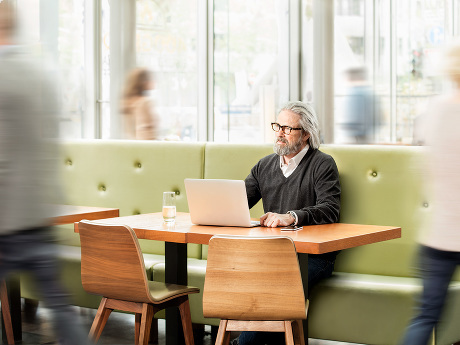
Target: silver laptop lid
218,202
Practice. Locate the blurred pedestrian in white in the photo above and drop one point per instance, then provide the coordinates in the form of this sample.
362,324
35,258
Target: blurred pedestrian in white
440,245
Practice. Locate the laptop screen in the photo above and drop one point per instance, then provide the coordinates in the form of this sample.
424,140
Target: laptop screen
218,202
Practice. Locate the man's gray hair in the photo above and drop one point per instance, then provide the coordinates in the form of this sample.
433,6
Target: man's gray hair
308,120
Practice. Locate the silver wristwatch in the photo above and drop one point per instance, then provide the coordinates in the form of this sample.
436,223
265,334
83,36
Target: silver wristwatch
294,216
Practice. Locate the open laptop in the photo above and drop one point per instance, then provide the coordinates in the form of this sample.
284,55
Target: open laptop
218,202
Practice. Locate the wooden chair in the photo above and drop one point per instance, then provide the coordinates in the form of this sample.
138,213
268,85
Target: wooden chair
112,266
6,313
254,284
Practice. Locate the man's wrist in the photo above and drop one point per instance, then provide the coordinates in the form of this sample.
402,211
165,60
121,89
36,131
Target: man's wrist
293,215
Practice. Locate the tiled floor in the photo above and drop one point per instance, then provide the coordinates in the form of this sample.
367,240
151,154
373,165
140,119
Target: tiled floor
118,331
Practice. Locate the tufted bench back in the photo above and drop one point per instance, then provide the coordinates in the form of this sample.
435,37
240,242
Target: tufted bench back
129,175
381,185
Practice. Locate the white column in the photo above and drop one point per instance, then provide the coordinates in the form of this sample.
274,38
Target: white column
323,66
122,55
205,70
295,13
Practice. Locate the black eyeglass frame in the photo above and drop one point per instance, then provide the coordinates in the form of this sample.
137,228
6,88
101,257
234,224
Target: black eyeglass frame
284,128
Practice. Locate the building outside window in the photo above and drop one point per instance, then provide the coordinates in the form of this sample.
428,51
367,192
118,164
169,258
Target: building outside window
167,43
248,66
248,52
59,41
397,43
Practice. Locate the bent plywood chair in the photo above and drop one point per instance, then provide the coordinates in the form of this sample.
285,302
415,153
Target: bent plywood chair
112,266
254,284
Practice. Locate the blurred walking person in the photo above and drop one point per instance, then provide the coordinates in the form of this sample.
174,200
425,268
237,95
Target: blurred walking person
27,177
361,110
440,246
140,119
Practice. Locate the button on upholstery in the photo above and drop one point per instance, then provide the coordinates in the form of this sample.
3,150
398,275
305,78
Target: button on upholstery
102,187
68,162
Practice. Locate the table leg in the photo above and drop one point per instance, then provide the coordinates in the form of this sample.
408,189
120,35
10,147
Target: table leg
175,273
303,263
14,298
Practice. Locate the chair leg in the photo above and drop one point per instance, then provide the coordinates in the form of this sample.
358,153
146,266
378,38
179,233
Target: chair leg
288,334
227,338
146,322
223,336
6,313
298,332
153,339
137,328
100,320
186,319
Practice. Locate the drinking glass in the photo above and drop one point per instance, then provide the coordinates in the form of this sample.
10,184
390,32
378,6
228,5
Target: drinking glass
169,206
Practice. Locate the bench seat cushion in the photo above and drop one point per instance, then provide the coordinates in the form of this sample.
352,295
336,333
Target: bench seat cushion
377,308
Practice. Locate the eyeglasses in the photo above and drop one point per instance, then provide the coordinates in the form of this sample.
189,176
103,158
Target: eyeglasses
286,129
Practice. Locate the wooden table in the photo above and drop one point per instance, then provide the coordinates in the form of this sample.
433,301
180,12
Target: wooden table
63,214
313,239
67,214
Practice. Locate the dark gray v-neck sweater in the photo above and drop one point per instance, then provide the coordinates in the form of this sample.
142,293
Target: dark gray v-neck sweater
312,191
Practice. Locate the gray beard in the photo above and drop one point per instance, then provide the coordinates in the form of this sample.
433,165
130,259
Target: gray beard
288,148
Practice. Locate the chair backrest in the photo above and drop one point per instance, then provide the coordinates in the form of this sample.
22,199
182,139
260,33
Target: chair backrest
112,264
253,279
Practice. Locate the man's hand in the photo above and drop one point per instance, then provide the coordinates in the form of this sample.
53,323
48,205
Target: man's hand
273,220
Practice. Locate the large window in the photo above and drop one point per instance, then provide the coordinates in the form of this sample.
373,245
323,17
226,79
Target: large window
223,67
248,65
55,32
422,28
384,67
167,43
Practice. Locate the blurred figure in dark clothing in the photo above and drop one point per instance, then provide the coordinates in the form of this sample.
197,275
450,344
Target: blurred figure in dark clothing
27,177
361,108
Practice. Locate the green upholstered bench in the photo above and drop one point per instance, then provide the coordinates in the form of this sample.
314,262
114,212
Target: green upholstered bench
370,298
129,175
372,295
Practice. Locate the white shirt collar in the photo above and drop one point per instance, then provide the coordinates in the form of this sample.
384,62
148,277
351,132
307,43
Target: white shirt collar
293,163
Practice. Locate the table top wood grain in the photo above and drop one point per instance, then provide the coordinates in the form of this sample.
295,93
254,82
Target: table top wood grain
311,239
67,214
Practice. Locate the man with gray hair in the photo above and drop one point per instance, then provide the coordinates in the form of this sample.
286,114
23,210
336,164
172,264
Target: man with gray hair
298,185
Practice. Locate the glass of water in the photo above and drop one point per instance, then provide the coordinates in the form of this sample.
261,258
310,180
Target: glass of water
169,206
